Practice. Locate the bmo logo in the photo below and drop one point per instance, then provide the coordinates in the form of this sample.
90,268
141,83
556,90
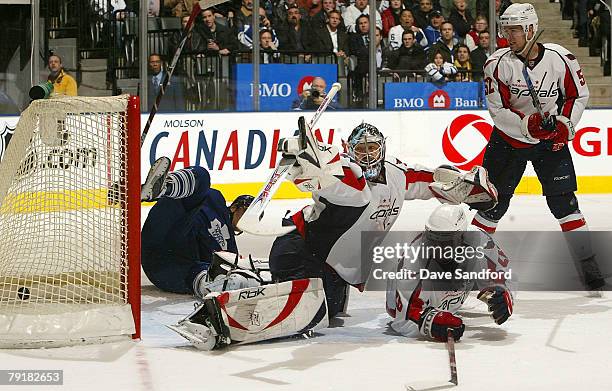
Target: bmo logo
439,99
592,141
465,139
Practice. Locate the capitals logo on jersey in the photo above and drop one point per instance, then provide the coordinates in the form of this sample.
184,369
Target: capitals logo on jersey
220,233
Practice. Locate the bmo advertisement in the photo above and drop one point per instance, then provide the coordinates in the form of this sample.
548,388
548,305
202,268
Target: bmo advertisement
239,149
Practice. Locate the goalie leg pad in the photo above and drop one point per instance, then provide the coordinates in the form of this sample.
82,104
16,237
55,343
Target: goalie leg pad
261,313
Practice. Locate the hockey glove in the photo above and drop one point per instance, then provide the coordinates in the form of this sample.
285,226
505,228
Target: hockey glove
434,323
499,301
559,129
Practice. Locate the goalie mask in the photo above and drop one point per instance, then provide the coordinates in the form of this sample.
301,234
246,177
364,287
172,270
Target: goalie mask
523,15
366,146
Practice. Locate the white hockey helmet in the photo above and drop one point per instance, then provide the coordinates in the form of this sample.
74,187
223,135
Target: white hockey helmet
518,14
446,223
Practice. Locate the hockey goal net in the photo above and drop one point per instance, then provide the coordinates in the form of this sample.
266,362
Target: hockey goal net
70,223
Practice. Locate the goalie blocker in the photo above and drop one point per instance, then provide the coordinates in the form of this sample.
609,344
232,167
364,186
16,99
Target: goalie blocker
255,314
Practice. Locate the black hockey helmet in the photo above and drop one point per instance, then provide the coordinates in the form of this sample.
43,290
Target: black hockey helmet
241,202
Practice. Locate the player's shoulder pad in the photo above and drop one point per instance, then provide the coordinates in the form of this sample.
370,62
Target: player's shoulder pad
560,50
396,162
495,58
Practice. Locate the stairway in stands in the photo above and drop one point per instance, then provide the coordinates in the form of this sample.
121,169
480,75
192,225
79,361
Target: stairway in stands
559,31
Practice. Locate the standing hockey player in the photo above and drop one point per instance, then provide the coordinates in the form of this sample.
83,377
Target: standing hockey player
428,307
189,222
354,193
516,80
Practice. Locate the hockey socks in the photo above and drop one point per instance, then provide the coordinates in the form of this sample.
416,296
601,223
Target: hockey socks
180,184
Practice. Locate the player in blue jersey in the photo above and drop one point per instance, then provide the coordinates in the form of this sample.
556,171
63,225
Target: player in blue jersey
189,222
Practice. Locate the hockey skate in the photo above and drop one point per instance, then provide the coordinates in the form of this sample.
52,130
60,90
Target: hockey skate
204,327
593,279
153,187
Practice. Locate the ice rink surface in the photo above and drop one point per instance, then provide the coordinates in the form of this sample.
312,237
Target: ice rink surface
553,341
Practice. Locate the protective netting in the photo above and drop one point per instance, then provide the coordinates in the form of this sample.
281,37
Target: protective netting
63,208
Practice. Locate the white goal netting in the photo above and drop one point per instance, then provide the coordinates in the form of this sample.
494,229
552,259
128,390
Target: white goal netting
65,222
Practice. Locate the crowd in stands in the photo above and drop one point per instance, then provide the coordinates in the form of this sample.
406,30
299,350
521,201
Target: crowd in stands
439,40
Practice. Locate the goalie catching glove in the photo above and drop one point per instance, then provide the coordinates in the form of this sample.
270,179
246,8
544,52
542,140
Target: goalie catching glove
557,128
472,187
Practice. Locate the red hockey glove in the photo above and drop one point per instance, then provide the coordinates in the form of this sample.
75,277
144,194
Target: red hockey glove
558,129
541,128
434,324
499,301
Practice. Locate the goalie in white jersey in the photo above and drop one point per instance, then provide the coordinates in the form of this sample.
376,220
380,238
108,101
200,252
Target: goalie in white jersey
524,133
427,306
361,191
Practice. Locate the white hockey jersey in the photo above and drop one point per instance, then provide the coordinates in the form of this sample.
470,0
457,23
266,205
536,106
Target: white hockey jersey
333,225
556,76
407,299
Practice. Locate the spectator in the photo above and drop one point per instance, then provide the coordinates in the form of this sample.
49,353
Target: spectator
63,83
269,51
460,18
440,70
432,32
353,12
195,40
319,20
245,36
391,16
279,14
359,43
330,38
462,63
471,38
410,56
479,56
446,44
406,24
311,99
180,8
218,37
173,100
447,7
310,8
421,13
293,34
241,17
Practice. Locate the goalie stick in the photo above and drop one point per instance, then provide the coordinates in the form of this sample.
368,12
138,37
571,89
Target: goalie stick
197,9
252,219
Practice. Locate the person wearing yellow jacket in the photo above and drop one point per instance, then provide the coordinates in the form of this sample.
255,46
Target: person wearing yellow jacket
63,83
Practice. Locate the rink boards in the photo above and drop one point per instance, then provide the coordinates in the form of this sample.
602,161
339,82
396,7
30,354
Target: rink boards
239,149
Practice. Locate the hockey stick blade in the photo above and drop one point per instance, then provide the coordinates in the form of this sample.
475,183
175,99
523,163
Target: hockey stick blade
428,386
